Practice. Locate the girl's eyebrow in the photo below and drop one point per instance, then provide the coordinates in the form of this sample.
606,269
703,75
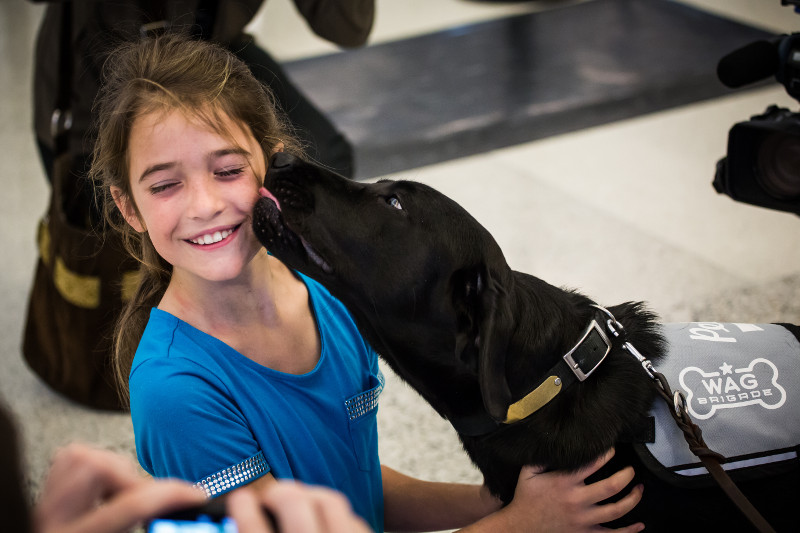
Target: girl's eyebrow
155,168
215,154
230,151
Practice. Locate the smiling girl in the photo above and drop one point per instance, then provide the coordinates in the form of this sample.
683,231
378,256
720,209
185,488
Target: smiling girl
239,370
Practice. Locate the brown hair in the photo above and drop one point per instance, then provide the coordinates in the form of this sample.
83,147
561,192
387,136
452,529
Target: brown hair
171,71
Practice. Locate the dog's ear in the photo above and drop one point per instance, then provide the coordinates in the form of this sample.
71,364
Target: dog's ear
465,285
482,308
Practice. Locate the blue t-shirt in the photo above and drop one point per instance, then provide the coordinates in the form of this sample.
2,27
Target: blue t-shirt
207,414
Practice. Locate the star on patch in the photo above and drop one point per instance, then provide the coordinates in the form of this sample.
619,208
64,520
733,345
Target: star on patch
726,369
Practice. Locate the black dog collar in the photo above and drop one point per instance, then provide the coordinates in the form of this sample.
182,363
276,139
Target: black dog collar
575,366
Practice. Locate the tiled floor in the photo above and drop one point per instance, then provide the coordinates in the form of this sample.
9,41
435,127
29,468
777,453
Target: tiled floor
623,211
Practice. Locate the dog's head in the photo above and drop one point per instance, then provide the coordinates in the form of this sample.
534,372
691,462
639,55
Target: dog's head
412,266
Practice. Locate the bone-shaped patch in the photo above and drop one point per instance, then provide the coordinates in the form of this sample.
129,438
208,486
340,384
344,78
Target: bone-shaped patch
756,384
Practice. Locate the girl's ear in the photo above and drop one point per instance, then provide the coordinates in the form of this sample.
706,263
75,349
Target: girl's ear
128,210
278,148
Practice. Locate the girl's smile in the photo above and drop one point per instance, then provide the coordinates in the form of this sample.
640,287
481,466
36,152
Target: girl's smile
217,237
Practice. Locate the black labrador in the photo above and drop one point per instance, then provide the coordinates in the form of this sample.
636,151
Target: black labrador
526,372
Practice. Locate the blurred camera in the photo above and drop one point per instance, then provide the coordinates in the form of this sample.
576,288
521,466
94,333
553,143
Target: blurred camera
762,165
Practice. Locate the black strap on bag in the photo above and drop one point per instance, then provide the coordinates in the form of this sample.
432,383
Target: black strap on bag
82,277
157,20
61,120
155,17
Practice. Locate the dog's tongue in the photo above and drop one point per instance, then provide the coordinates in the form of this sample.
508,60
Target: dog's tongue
266,194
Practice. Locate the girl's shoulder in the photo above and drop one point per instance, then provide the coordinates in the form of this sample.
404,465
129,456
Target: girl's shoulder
338,329
323,302
168,338
165,333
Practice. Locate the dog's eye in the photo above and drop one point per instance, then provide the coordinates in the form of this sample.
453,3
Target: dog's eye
394,202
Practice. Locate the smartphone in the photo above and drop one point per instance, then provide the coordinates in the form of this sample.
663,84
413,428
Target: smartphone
208,518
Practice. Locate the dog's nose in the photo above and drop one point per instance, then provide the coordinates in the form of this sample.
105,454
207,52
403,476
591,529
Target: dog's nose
281,160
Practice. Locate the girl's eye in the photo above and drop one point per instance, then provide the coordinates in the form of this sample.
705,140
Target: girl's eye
229,172
156,189
394,201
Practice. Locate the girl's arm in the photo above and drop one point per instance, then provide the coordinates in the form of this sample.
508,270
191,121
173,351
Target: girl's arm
89,489
549,502
412,504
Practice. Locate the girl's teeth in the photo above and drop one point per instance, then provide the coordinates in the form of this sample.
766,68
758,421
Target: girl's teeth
211,239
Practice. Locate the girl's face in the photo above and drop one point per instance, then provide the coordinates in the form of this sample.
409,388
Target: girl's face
193,191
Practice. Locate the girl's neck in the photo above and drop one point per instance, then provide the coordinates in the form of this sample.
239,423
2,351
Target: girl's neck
253,296
264,314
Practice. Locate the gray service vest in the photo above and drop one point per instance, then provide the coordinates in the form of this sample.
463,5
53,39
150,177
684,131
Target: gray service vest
742,387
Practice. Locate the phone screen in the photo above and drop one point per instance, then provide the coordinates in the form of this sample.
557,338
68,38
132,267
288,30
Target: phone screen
200,524
207,518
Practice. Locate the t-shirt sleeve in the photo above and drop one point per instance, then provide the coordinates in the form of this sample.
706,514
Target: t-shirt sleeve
187,426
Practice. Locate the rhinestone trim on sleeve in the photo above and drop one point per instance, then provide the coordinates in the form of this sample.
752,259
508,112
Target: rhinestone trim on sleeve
234,476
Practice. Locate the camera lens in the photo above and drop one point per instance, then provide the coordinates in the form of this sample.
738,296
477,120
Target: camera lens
779,166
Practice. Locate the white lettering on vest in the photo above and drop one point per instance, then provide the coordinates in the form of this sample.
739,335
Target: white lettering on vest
756,384
709,331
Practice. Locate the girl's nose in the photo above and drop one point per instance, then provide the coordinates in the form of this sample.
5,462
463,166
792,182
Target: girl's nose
205,200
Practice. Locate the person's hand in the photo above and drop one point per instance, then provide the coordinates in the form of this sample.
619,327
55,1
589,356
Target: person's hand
297,508
557,501
95,490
